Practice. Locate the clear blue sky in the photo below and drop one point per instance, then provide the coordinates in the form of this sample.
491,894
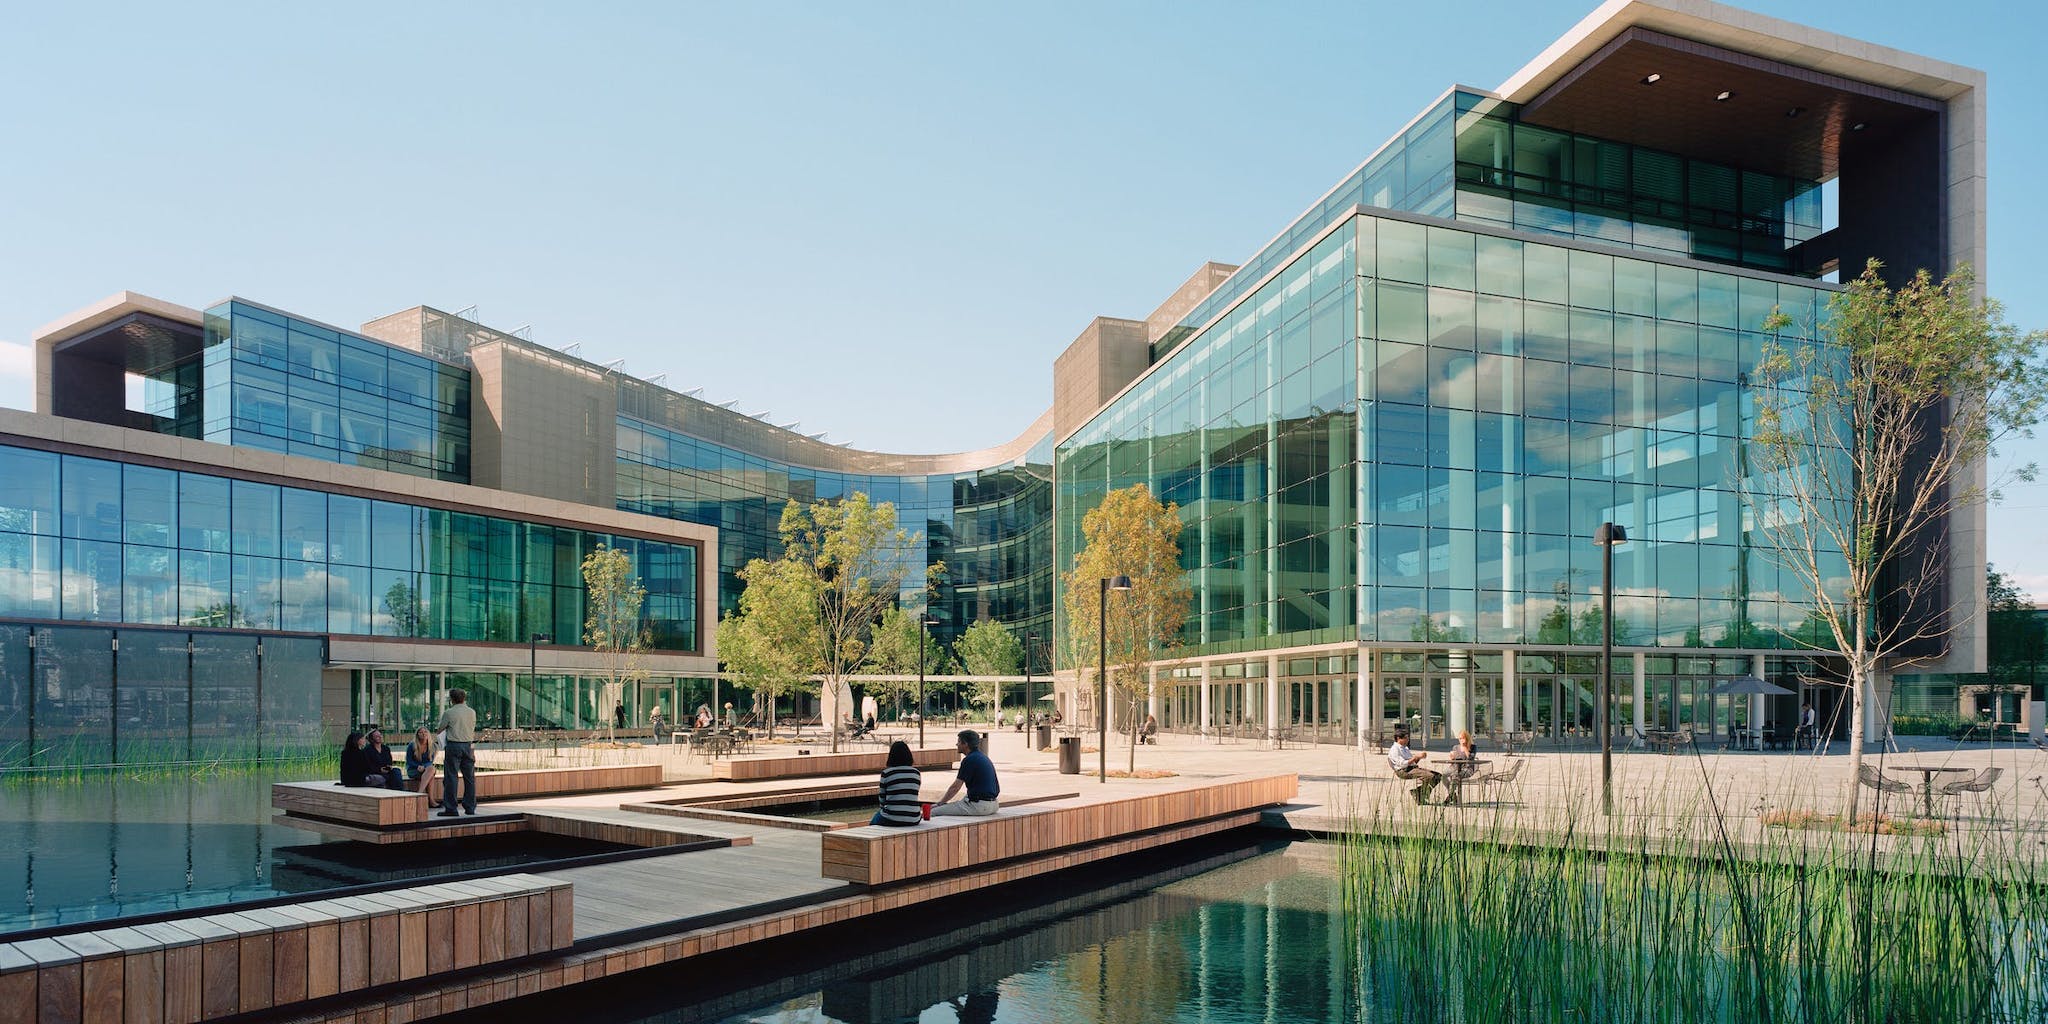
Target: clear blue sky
884,220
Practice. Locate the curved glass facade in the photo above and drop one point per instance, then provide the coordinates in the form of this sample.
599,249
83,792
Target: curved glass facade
1408,434
92,540
990,527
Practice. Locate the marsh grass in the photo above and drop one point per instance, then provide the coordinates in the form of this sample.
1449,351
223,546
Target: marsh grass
176,762
1681,911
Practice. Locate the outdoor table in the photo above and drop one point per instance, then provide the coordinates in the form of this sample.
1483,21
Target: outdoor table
1928,772
1746,738
1458,770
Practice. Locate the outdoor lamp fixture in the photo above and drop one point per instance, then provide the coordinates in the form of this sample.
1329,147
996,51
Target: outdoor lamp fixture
924,622
1608,536
1102,677
532,669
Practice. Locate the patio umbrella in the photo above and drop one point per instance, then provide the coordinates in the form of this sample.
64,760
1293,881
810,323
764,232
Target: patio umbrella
1749,685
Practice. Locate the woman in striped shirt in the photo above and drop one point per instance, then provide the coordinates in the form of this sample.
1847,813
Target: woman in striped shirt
900,785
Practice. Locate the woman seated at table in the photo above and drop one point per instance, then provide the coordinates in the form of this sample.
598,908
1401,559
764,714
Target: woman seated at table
900,785
1463,753
419,760
356,771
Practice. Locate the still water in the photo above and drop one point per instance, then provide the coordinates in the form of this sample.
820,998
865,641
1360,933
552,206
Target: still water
89,850
1231,934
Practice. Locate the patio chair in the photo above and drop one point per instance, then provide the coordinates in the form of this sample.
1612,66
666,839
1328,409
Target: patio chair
1502,776
1869,776
1975,784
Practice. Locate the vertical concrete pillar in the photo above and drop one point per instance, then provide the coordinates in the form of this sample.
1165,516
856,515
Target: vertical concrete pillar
1208,717
1756,700
1642,689
1510,693
1152,691
1368,695
1458,701
1272,695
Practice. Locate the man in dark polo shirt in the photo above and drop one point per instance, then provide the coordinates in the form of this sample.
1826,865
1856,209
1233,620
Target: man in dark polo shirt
977,776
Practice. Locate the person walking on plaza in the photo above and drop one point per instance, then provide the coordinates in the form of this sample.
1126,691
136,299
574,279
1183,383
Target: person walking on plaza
654,718
458,724
1408,765
977,775
900,784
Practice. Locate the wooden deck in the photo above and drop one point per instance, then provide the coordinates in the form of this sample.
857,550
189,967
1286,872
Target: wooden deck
622,916
794,766
879,855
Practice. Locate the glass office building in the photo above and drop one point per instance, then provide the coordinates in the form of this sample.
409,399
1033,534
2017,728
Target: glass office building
1396,438
1390,435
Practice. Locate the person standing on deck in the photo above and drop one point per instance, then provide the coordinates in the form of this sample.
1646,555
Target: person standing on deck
458,753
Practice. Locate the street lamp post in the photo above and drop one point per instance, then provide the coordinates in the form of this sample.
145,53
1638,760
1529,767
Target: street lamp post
1609,537
1102,675
923,623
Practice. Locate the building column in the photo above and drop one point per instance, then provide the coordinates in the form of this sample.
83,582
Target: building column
1642,688
1510,693
1458,699
1756,700
1152,692
1367,693
1272,695
1208,716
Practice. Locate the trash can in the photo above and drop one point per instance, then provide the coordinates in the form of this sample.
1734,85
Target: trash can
1070,755
1044,737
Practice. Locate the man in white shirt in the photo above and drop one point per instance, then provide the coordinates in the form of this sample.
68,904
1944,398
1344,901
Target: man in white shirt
1407,764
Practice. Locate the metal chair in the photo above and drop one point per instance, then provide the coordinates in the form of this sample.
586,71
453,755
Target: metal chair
1868,775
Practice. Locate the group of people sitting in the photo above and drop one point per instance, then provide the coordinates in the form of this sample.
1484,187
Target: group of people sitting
1407,764
901,782
367,762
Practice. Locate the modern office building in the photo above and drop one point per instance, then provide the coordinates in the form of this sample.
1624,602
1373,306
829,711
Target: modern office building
1390,434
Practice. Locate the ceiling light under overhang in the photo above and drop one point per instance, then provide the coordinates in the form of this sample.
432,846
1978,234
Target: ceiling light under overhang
1652,78
1723,96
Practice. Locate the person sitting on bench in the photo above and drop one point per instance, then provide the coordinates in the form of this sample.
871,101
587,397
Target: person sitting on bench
977,774
1150,733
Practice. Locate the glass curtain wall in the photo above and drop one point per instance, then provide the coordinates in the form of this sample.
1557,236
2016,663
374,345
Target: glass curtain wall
276,382
991,527
77,696
91,540
1508,396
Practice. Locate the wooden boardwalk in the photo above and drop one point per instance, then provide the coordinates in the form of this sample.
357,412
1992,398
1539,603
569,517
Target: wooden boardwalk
779,866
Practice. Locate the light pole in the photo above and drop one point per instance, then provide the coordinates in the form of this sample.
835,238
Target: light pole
1609,537
923,622
1102,675
533,643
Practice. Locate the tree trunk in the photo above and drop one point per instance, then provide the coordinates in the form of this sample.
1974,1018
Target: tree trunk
1859,683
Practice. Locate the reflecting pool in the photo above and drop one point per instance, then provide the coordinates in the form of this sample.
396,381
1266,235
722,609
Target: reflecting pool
81,850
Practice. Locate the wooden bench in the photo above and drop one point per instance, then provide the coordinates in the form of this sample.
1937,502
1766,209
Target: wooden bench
878,855
796,766
393,808
209,966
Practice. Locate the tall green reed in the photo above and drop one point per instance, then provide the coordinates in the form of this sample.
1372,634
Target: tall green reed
1683,909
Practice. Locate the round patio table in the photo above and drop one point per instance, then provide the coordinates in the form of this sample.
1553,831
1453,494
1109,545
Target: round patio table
1927,788
1458,771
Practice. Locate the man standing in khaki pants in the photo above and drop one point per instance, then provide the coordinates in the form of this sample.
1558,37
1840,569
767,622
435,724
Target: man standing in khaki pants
459,722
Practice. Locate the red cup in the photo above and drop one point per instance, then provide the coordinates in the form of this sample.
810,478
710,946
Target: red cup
927,811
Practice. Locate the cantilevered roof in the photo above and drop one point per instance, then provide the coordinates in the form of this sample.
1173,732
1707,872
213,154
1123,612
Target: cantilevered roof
1794,95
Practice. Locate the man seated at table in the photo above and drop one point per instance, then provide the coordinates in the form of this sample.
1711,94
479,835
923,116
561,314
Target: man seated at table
977,774
1407,764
